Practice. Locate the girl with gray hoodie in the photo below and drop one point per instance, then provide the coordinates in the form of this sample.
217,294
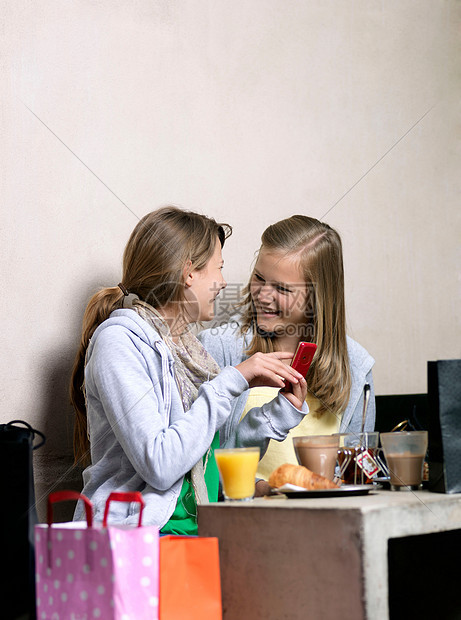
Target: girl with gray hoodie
149,399
296,293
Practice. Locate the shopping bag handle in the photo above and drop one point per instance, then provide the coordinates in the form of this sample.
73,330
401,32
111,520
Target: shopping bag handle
120,496
32,431
62,496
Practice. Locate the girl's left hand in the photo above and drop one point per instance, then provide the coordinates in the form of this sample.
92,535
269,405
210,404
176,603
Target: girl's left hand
298,394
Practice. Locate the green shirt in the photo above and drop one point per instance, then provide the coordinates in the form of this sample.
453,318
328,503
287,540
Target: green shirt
183,521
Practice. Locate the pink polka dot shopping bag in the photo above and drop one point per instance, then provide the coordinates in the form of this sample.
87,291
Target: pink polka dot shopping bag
86,571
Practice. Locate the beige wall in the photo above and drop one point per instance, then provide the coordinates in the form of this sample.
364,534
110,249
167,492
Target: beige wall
248,111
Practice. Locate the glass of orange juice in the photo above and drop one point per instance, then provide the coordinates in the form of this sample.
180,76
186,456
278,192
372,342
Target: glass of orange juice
237,467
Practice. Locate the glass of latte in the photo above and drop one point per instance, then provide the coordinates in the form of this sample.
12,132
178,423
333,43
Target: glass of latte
405,452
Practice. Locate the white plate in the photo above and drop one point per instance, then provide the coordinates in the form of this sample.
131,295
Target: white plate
295,492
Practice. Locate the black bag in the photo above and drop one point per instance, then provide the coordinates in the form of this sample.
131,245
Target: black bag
444,451
17,520
393,409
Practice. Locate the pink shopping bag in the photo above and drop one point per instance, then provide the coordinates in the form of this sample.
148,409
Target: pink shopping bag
86,571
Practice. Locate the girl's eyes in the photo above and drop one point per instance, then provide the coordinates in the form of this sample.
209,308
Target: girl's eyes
278,287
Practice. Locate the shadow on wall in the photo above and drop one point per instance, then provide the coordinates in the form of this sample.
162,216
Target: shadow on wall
53,463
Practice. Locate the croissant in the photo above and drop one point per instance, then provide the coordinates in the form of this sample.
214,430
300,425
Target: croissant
300,476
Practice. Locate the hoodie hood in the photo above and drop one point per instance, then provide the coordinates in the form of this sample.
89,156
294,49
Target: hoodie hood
131,321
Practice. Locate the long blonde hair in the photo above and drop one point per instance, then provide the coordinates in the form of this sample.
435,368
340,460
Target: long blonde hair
159,247
318,248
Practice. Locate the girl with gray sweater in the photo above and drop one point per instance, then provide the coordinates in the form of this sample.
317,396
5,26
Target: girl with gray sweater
296,293
149,399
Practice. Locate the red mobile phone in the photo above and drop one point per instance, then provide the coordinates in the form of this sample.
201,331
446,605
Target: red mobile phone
302,360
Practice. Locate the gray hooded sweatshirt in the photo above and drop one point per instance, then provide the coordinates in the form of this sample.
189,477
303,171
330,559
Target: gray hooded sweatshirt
141,437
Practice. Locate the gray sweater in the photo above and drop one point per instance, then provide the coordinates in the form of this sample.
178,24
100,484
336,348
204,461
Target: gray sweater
141,437
227,345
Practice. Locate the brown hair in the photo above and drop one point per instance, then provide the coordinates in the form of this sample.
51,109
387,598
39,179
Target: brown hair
159,247
318,248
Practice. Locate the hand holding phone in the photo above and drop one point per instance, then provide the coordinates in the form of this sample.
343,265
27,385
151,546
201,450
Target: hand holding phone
302,360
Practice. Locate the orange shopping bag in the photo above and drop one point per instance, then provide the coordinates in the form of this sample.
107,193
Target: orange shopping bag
190,582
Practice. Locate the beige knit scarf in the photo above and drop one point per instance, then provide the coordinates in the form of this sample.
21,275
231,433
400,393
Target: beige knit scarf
193,366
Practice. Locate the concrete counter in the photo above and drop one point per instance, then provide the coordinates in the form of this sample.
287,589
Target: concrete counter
319,558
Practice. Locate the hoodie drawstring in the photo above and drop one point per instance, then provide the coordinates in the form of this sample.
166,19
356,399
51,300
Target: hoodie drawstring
166,377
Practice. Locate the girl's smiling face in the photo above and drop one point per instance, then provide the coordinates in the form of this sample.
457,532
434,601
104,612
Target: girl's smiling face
279,293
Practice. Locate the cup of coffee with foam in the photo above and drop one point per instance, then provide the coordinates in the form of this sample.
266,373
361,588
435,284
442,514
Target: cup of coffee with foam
318,453
405,452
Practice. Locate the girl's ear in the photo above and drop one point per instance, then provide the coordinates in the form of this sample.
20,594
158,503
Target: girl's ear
188,274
